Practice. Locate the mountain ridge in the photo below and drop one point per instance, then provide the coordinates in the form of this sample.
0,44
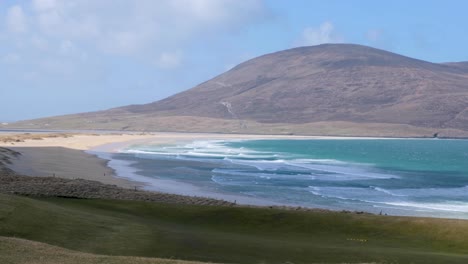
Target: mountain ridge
326,83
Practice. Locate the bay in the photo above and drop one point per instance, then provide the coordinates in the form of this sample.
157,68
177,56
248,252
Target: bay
420,177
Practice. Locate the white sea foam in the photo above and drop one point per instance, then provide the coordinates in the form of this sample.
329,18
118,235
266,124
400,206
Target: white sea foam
320,161
345,172
452,193
285,174
450,206
341,171
315,190
388,192
261,165
258,159
366,195
201,149
264,175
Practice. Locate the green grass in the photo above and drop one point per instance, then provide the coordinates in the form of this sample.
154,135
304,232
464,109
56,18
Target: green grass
231,234
20,251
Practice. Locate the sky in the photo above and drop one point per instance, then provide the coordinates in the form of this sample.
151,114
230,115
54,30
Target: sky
68,56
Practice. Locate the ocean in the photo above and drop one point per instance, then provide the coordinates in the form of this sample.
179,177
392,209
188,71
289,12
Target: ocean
415,177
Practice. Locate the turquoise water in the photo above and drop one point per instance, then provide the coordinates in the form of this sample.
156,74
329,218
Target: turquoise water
427,177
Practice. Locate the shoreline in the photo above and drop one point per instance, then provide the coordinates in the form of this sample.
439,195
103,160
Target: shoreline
89,157
68,158
122,169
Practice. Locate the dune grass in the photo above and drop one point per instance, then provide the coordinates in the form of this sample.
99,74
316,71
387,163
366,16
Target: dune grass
231,234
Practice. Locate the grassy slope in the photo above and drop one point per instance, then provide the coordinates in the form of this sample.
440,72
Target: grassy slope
20,251
226,234
125,121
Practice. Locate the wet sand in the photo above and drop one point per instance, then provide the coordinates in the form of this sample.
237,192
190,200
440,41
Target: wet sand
65,157
65,163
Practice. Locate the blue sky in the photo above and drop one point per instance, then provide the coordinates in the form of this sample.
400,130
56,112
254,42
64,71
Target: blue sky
68,56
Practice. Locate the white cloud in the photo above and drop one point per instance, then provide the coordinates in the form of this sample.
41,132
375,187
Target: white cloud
68,49
216,10
143,29
44,5
65,50
83,37
169,60
16,20
129,27
325,33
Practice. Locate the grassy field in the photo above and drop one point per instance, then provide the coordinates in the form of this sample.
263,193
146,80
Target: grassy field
138,122
20,251
231,234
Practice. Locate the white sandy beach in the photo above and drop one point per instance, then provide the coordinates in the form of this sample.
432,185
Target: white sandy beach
87,142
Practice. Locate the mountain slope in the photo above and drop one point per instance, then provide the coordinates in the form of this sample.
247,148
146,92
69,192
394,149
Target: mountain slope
327,83
331,83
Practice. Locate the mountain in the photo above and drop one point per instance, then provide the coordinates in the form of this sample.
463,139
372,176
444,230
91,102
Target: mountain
463,65
330,89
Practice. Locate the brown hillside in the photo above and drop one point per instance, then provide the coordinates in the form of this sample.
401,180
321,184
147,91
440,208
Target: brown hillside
330,83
